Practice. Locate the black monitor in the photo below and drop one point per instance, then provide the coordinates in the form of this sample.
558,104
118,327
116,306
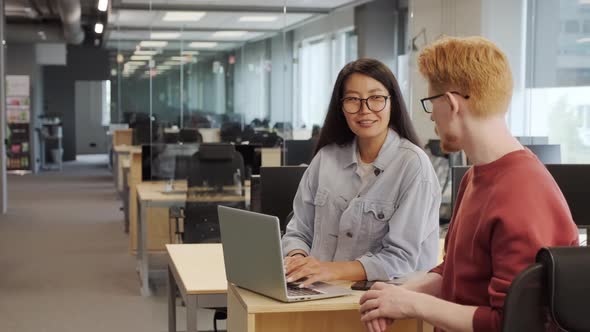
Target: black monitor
574,182
457,173
278,186
252,155
299,152
547,153
163,161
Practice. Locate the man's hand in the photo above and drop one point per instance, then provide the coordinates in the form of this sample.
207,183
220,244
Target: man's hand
298,267
389,302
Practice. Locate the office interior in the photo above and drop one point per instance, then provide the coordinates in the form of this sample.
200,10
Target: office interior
118,110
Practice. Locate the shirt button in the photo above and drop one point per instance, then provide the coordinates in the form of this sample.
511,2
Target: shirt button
377,172
349,234
381,215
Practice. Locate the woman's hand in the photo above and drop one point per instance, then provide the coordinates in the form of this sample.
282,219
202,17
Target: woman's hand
298,267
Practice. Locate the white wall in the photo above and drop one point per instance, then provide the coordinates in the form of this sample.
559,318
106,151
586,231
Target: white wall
501,21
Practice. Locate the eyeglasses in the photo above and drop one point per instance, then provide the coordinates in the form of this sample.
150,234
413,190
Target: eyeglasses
427,103
353,105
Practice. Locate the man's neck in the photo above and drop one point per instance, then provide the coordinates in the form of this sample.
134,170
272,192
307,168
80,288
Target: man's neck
488,140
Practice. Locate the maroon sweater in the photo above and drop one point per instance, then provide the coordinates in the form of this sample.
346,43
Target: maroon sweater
505,212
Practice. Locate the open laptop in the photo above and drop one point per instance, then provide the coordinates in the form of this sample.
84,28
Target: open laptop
254,257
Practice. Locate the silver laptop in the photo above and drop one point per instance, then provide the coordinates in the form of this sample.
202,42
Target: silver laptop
254,257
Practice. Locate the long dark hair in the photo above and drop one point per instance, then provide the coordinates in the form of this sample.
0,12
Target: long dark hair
336,130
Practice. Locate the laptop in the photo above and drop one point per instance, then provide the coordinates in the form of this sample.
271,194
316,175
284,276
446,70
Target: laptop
253,257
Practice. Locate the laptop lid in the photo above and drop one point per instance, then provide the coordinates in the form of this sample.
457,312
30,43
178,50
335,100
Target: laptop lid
252,251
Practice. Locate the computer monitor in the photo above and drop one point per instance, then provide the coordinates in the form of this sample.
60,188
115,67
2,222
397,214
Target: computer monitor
252,155
574,182
278,186
161,161
547,153
299,152
457,173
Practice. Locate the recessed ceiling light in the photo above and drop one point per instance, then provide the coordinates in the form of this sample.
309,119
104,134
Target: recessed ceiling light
145,52
165,35
190,52
229,34
135,63
103,5
258,18
141,57
183,16
202,44
583,40
98,27
164,67
153,43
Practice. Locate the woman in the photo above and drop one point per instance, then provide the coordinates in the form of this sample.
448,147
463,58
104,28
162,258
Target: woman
367,206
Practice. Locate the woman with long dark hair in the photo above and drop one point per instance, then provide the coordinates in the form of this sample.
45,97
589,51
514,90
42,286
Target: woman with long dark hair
367,206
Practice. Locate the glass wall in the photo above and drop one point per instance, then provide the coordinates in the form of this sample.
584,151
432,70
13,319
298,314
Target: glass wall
558,75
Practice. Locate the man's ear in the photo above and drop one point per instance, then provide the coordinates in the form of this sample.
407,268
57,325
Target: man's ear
453,102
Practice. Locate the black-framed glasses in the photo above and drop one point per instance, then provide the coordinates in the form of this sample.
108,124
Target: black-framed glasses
427,102
353,105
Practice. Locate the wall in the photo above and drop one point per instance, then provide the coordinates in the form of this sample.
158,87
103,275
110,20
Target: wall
83,64
89,103
20,60
281,86
376,27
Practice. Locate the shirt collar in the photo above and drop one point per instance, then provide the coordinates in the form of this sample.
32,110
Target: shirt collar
383,159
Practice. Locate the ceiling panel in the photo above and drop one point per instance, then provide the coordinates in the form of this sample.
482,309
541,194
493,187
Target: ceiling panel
211,20
258,3
192,36
130,46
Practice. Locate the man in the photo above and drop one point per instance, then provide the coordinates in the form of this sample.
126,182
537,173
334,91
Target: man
508,205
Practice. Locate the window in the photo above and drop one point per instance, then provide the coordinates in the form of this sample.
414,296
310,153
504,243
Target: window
558,78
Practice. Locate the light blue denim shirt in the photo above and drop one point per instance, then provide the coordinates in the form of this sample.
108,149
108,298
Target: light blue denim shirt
391,227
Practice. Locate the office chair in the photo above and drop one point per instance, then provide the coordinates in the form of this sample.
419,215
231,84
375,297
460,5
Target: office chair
190,135
550,294
567,271
213,166
277,200
171,138
266,139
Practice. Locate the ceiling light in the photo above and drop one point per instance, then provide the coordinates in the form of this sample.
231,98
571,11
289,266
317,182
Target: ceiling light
98,27
164,35
135,63
153,43
202,44
141,57
171,63
190,52
103,5
183,16
229,34
583,40
258,18
164,67
145,52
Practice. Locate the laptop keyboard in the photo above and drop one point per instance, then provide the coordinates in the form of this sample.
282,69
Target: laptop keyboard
294,290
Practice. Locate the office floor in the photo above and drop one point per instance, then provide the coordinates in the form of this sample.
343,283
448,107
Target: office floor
64,262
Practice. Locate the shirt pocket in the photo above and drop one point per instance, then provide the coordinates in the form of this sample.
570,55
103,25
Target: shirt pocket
376,215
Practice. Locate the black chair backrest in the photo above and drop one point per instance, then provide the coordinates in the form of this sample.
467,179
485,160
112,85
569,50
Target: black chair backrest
266,139
299,152
568,285
252,156
171,138
525,307
216,165
143,133
547,153
278,186
190,135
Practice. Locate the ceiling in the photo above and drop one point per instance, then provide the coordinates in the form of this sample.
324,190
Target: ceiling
226,22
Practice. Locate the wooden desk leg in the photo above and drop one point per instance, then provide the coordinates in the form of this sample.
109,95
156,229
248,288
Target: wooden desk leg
238,319
172,288
191,313
142,253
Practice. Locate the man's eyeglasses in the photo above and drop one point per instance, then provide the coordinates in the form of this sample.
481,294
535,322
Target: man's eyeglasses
427,102
353,105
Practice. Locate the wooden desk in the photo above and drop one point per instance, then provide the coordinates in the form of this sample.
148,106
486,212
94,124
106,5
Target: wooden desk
149,194
120,156
198,272
249,312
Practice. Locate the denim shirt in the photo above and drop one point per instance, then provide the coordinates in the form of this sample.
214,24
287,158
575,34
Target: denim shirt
391,226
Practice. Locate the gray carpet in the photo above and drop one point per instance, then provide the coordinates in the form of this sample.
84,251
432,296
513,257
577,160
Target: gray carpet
64,263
